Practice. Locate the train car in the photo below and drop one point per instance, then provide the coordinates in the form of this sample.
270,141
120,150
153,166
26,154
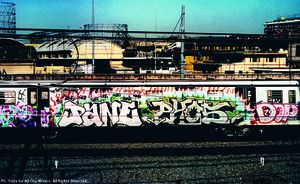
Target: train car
148,103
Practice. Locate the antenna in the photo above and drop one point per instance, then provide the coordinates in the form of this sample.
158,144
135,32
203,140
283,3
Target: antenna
93,41
182,27
155,27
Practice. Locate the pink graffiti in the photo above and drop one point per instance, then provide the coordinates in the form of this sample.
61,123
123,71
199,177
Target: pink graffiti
155,90
24,115
278,113
45,118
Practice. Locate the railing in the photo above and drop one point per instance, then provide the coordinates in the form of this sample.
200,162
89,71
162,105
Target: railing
109,77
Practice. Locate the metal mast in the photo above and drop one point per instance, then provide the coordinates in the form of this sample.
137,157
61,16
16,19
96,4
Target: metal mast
93,41
182,27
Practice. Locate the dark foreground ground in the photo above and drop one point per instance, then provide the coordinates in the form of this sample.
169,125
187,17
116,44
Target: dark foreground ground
188,162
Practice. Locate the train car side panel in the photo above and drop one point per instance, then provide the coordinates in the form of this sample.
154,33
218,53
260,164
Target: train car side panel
148,105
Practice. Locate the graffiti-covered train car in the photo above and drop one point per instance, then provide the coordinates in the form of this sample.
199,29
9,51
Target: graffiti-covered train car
148,103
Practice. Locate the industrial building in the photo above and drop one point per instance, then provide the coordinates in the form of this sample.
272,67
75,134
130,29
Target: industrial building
236,61
16,58
58,56
61,56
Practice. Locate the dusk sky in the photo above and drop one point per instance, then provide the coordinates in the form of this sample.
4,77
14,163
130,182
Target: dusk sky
231,16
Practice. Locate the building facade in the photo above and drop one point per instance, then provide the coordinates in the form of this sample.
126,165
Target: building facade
283,26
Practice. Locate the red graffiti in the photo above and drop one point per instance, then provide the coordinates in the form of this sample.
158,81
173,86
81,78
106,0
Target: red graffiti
278,113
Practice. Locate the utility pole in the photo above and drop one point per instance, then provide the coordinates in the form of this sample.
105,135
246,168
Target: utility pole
182,27
93,41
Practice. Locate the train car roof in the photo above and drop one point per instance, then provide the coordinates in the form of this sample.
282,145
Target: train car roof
87,83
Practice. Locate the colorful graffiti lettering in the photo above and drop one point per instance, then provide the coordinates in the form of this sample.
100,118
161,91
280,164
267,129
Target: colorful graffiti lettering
22,116
100,114
141,106
280,113
17,116
193,111
135,106
188,111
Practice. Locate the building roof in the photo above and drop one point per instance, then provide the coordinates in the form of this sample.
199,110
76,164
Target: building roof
57,45
11,49
68,45
289,21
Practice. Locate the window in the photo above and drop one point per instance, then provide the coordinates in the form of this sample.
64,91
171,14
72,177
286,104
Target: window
7,97
274,96
32,97
45,95
292,96
298,50
271,59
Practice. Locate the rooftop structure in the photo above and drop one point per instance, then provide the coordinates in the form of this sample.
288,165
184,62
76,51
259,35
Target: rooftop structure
112,31
283,26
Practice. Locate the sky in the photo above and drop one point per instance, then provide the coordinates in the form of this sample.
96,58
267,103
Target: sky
217,16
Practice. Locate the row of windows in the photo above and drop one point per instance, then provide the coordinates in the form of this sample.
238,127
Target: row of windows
222,48
55,55
271,59
7,97
276,96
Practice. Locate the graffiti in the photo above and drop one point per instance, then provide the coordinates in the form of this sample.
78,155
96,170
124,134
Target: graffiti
156,90
135,106
21,95
279,113
45,118
101,114
118,113
193,111
23,116
17,116
143,106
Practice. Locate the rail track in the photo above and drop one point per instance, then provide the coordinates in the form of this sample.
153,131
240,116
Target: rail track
189,162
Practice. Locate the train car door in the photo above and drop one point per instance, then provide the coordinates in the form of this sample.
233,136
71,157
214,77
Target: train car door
43,98
38,98
32,97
